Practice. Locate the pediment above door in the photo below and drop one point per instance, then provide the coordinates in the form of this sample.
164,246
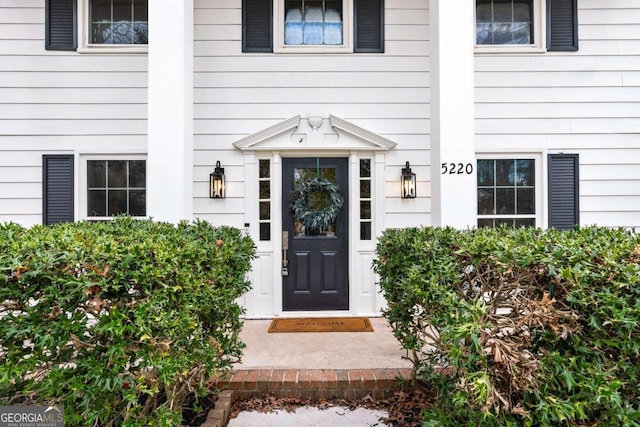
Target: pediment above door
314,133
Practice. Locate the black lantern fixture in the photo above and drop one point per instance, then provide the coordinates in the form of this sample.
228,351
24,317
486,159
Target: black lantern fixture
216,182
408,182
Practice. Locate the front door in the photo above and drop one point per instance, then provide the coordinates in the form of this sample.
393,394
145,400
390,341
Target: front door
317,272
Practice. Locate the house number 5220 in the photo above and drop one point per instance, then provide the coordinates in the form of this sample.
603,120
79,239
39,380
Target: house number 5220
457,168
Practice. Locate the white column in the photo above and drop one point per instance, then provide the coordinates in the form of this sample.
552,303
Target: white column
452,113
170,121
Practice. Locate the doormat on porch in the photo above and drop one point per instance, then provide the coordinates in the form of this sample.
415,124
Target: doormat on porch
322,324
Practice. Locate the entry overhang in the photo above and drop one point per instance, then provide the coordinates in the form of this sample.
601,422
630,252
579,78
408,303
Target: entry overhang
298,133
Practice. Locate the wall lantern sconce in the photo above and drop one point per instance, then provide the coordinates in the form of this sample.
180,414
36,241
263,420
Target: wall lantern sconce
408,182
216,182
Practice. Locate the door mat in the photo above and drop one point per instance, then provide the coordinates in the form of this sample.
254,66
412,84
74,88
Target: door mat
322,324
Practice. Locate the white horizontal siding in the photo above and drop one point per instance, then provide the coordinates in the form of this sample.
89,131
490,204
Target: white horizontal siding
237,94
585,102
54,102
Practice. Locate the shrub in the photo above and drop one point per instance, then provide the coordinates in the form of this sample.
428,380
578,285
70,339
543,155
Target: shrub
118,321
518,327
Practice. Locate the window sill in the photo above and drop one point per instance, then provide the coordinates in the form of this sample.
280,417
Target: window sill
513,49
93,49
314,49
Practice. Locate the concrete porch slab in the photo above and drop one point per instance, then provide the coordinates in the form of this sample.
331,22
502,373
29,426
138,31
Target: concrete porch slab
321,350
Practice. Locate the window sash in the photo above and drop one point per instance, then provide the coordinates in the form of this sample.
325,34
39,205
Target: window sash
114,186
111,24
508,191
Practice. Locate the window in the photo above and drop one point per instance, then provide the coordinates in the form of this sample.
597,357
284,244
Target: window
264,199
365,199
504,22
507,192
313,25
116,187
313,22
98,24
520,25
118,22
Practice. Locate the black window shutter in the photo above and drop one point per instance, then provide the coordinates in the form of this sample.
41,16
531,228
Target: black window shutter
57,189
562,25
60,25
257,25
564,208
369,26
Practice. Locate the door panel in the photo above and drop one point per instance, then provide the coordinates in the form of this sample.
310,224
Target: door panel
318,261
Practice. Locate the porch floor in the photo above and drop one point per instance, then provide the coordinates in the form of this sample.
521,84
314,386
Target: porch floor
321,350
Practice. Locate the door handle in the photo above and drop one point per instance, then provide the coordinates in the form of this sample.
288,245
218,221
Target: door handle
285,247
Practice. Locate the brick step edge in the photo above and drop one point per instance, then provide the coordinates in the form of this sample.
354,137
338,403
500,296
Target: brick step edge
304,383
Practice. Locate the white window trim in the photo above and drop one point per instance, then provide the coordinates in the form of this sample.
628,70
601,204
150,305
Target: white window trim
81,188
83,36
540,192
347,36
539,34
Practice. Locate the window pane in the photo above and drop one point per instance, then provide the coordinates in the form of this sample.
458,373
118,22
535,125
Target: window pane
265,190
509,222
525,173
523,11
96,173
505,201
140,10
138,203
122,10
485,223
483,11
486,201
137,173
525,222
365,168
365,231
265,231
502,11
117,174
101,11
526,201
365,210
265,210
265,169
117,202
486,175
328,173
365,189
96,203
505,170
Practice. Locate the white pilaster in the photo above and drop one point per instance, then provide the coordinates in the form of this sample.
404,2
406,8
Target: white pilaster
170,121
452,113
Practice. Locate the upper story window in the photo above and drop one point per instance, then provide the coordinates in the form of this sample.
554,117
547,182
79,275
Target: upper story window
118,22
504,22
508,25
313,22
504,26
303,26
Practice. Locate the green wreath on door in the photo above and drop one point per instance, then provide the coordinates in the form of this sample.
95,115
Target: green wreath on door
312,218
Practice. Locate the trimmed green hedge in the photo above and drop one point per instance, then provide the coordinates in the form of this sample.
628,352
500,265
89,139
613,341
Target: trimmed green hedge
521,327
118,321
